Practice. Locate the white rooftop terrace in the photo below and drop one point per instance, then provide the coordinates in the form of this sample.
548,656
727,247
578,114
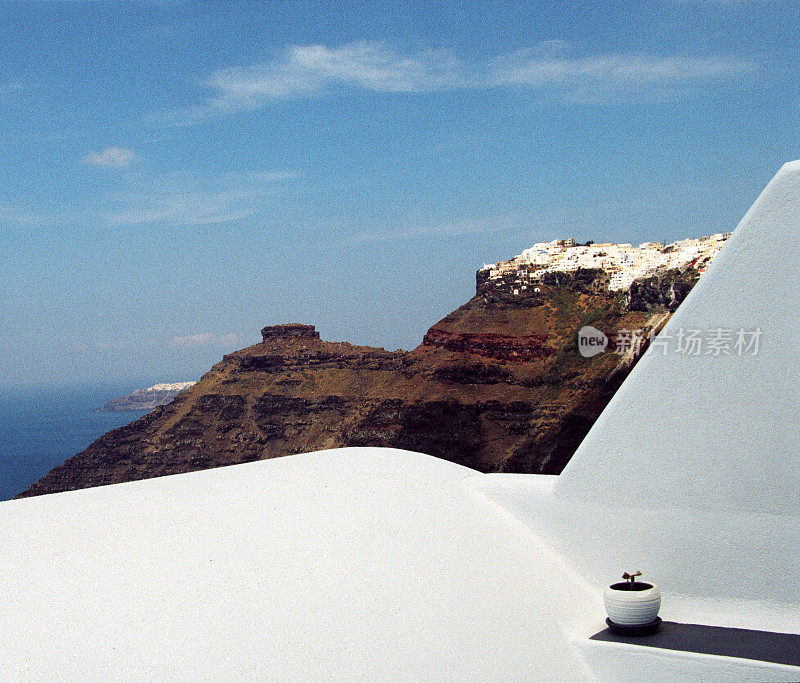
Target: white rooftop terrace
378,563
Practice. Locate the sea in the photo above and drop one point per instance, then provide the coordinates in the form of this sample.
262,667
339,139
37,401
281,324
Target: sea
40,428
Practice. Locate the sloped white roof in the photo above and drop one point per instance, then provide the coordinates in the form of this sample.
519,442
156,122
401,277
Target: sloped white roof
368,563
718,432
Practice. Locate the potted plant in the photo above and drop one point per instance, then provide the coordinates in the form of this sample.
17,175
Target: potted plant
632,606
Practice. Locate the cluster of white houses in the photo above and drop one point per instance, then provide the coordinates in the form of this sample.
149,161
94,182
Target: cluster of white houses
624,262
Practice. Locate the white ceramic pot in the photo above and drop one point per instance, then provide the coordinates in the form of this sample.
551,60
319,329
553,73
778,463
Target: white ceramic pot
632,604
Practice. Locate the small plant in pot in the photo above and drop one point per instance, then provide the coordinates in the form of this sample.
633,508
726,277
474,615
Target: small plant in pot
632,606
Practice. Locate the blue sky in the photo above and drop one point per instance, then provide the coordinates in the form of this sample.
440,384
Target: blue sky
175,175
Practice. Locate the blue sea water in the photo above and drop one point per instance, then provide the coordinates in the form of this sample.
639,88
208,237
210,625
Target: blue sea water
39,429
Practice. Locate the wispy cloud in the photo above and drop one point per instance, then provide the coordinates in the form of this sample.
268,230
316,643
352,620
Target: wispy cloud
188,198
626,69
204,339
11,214
182,198
605,75
304,71
433,231
309,70
111,157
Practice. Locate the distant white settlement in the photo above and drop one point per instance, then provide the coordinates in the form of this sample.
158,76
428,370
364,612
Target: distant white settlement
624,262
148,398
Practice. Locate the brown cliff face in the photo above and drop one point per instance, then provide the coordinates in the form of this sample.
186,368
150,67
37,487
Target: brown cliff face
496,386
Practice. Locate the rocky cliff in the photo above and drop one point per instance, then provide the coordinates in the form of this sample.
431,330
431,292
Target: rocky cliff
497,385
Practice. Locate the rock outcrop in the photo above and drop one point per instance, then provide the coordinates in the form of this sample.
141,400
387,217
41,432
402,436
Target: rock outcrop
661,291
497,385
289,332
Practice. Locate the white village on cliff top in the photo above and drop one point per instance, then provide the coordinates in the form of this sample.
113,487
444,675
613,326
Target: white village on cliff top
624,262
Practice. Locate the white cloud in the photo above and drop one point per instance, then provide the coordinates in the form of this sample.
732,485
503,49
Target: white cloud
305,71
111,157
618,71
204,339
187,198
